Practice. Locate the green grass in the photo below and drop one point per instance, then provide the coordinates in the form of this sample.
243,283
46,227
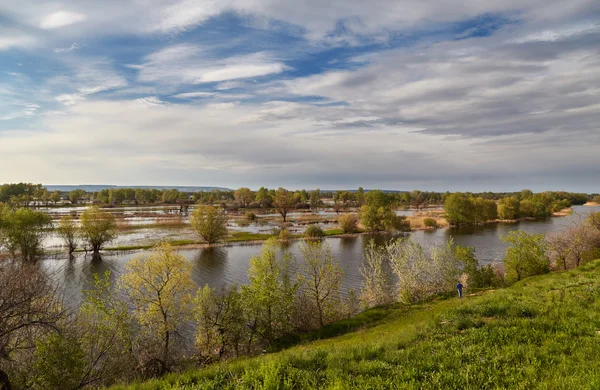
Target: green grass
246,236
541,333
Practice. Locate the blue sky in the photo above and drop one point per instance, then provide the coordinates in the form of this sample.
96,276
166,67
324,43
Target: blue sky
473,95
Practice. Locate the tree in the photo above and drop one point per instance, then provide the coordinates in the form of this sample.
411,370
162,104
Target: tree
160,288
418,199
262,197
323,280
210,223
559,248
75,195
97,228
284,201
28,309
594,220
67,230
23,231
378,213
582,239
244,196
348,223
221,322
525,256
508,208
271,294
360,196
104,331
459,209
377,287
56,196
315,197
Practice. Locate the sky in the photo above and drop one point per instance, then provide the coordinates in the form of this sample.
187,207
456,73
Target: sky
471,95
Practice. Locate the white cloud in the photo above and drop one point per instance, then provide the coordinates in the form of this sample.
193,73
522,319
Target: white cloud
187,64
10,38
191,95
62,19
71,48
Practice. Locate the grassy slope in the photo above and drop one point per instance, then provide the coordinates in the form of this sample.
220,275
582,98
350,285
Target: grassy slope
543,332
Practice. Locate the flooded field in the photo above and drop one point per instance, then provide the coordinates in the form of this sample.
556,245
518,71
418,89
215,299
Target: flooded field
229,264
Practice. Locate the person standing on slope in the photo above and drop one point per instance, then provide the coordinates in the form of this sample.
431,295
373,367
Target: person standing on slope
459,287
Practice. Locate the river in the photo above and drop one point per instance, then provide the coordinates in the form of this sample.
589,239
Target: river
229,264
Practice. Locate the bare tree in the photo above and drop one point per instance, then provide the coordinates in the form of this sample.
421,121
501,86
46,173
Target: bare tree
28,306
560,248
582,238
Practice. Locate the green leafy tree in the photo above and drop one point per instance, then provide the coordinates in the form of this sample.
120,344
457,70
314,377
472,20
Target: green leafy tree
323,281
221,323
284,201
59,363
508,208
210,223
315,197
68,231
23,231
526,255
97,228
459,209
76,195
263,197
244,196
378,213
271,294
160,288
56,196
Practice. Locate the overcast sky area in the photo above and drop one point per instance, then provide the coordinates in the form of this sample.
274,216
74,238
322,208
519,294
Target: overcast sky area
468,95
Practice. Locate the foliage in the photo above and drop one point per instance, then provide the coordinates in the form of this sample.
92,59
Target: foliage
314,231
250,216
547,323
210,223
378,213
59,364
97,228
508,208
525,256
67,230
160,289
29,309
283,201
377,286
284,234
430,222
322,282
348,223
23,230
462,209
221,323
244,196
315,197
270,295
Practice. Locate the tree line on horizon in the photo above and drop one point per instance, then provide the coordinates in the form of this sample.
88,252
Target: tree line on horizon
28,194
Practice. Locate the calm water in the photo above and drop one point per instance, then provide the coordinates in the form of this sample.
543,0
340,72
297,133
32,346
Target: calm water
228,265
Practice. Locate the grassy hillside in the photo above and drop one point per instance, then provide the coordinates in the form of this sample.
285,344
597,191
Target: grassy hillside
543,332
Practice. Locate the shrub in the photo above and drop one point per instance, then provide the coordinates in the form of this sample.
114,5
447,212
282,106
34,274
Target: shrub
210,223
284,234
348,223
251,216
430,222
314,231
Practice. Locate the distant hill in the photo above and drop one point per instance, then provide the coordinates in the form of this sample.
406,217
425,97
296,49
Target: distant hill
100,187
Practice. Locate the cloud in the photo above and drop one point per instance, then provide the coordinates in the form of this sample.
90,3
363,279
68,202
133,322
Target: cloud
10,38
192,95
188,64
71,48
62,19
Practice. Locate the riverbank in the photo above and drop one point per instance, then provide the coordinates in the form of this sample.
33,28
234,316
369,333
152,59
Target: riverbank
518,337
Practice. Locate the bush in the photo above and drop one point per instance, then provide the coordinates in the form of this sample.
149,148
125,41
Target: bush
348,223
430,222
284,234
314,231
251,216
